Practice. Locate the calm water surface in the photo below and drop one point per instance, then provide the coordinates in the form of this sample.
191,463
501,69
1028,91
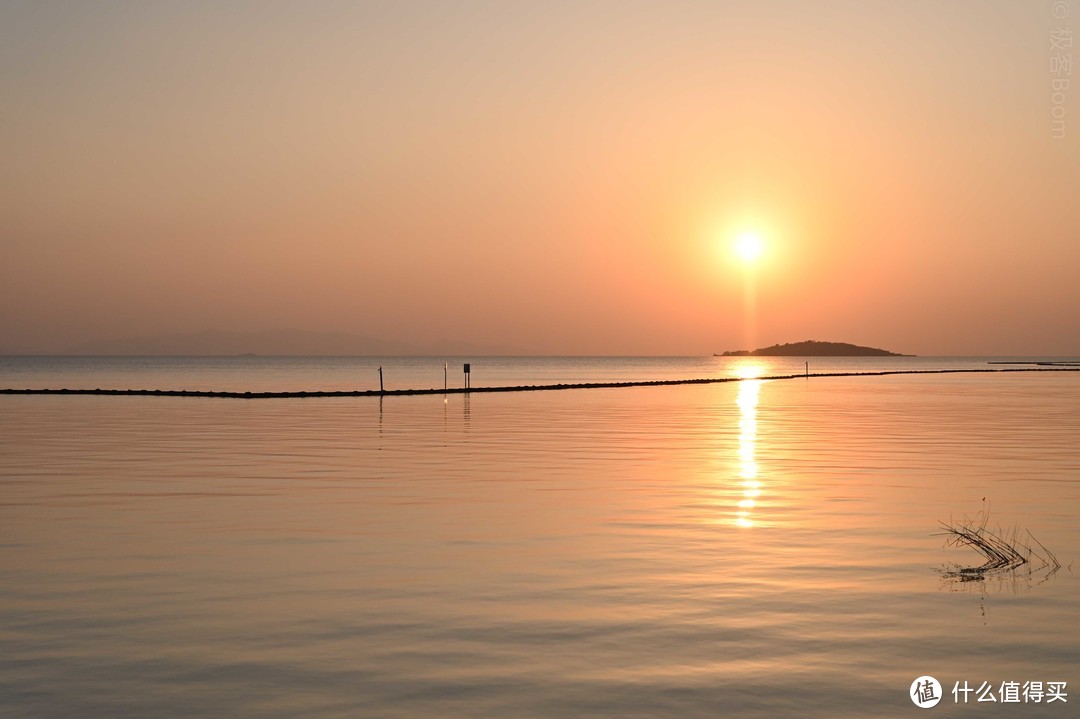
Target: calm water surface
756,549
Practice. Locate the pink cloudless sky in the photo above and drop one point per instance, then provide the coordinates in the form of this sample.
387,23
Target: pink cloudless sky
561,178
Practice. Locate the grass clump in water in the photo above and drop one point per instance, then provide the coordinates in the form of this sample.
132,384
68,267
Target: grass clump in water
1003,551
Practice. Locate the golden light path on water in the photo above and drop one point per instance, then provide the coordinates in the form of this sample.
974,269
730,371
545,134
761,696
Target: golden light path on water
747,400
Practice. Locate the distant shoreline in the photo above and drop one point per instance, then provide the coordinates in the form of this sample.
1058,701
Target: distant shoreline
1021,358
520,388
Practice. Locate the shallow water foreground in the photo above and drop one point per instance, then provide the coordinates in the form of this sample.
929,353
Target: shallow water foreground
746,549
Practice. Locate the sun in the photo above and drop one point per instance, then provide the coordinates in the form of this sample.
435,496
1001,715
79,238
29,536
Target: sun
749,247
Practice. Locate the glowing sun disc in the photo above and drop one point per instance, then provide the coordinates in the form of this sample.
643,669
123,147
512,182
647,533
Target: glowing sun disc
749,247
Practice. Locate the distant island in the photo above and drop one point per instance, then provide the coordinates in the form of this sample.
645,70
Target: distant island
813,348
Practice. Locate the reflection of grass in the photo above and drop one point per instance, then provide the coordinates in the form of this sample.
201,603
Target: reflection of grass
1004,551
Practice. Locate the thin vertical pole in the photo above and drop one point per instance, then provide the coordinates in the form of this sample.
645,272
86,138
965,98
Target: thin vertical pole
444,384
380,379
807,369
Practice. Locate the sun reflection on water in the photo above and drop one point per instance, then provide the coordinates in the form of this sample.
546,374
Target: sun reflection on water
747,400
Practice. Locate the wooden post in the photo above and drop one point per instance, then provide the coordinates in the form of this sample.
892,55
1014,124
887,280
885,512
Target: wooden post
807,369
380,379
444,385
468,378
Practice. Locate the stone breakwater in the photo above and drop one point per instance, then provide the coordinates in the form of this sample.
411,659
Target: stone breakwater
520,388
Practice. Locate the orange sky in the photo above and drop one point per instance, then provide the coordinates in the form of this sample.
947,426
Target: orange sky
554,177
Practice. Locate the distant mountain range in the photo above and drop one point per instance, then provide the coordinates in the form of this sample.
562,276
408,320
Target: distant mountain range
287,342
813,348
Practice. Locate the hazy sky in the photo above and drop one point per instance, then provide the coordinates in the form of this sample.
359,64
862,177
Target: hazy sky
560,177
